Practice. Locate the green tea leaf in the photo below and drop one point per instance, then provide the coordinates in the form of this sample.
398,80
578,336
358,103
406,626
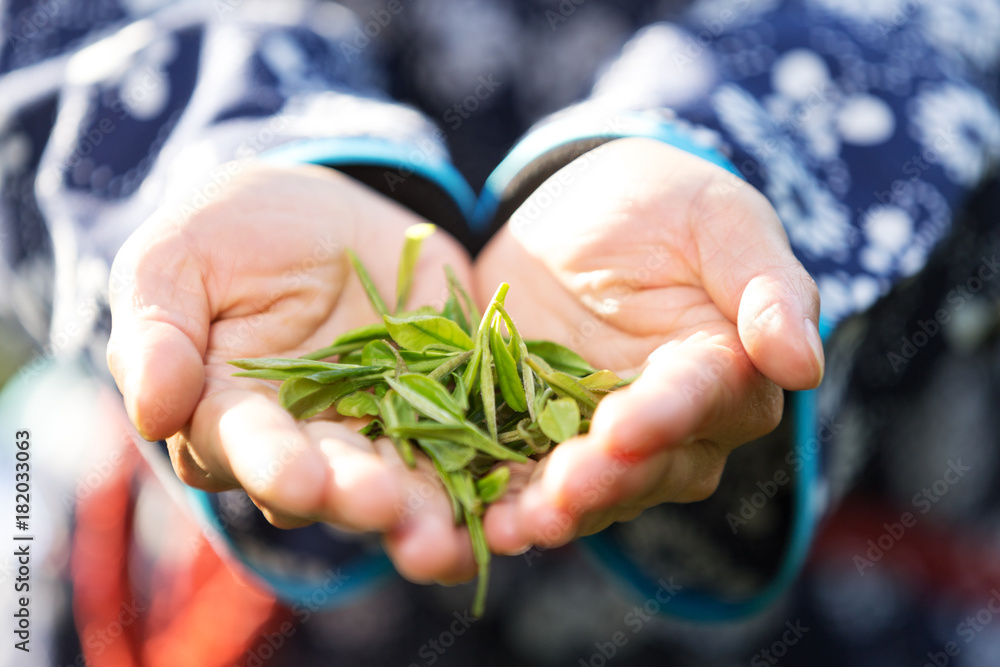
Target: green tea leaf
415,235
358,404
560,420
421,331
350,341
465,491
460,394
561,358
462,433
491,487
565,385
362,334
601,381
328,377
486,389
378,305
305,398
481,551
511,385
457,291
429,397
532,434
299,367
454,312
378,353
448,366
451,456
471,373
396,412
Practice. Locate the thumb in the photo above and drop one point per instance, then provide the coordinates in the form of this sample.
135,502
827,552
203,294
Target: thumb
777,322
159,332
757,282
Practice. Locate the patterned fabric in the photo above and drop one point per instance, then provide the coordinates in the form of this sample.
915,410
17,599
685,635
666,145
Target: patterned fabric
868,124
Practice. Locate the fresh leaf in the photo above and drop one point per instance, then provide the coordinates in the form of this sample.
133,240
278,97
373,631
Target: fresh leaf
511,385
481,552
305,398
492,486
565,385
395,412
428,397
487,391
560,420
460,394
451,456
462,433
364,334
378,305
418,332
601,381
559,357
465,491
358,404
294,367
330,376
415,235
532,434
378,353
450,365
457,291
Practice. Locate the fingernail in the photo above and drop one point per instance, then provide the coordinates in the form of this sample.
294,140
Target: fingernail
816,344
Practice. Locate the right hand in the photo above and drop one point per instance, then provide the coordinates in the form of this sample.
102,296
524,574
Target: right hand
261,271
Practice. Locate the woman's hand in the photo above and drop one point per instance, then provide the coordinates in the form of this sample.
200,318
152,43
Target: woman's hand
657,262
261,271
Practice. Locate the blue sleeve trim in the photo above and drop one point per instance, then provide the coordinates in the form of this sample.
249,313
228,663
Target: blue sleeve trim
373,151
353,579
574,129
808,501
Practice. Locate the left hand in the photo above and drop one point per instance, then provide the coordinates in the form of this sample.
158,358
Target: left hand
651,260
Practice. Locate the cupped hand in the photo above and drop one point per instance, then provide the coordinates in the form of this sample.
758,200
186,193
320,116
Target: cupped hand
646,259
261,271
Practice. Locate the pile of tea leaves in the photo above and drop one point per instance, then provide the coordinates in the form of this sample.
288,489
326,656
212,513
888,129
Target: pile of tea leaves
465,390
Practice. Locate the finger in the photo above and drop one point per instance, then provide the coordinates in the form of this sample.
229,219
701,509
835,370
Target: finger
663,438
751,274
159,331
428,546
242,438
500,522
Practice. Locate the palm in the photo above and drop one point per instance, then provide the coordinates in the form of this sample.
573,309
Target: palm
651,252
262,271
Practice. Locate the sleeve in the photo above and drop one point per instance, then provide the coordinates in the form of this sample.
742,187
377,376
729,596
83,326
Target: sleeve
866,125
169,105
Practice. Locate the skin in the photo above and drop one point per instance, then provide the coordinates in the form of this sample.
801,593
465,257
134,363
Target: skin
651,261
